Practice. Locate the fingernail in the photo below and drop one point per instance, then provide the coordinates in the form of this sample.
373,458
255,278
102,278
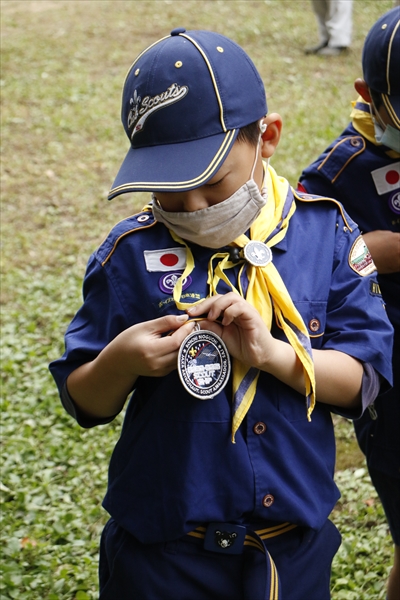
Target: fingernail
182,318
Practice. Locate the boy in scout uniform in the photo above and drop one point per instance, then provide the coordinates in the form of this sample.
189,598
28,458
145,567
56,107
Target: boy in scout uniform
233,338
361,169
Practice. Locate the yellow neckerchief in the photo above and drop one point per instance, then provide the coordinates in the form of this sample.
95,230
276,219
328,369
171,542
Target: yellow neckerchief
363,123
266,291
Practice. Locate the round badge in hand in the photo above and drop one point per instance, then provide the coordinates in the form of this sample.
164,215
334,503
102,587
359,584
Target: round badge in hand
204,364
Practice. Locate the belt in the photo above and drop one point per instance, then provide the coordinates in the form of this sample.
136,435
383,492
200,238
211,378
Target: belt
228,538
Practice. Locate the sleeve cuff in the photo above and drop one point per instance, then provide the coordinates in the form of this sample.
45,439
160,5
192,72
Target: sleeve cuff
82,419
370,389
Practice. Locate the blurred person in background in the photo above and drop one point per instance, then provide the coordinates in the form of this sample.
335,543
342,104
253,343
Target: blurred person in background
334,18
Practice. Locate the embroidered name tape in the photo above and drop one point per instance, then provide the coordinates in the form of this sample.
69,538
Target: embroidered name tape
374,288
168,259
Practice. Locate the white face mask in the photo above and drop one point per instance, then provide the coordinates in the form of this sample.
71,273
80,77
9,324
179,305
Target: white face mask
390,136
218,225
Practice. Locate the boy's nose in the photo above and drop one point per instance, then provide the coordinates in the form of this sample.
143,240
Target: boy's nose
193,200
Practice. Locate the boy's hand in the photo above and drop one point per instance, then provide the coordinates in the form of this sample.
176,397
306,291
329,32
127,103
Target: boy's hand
145,349
100,387
248,339
241,328
384,246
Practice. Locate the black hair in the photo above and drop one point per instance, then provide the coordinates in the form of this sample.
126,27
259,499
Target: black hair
249,133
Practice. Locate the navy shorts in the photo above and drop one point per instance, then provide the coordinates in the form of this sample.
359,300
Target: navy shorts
183,569
388,489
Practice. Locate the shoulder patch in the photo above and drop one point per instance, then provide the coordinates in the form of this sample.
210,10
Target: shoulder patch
341,155
387,178
360,259
165,259
133,224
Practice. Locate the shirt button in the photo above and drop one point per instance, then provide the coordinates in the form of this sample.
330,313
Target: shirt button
355,142
314,324
260,428
268,500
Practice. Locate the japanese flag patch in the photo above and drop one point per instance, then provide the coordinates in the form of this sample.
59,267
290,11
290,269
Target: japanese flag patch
360,259
169,259
387,179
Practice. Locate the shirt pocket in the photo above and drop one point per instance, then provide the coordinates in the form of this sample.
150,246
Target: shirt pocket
292,404
314,317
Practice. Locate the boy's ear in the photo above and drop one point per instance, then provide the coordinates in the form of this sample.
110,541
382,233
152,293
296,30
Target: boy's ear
271,136
362,88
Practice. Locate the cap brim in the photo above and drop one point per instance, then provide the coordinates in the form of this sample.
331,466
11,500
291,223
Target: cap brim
173,167
392,105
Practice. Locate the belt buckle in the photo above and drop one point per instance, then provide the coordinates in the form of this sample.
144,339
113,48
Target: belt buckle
224,538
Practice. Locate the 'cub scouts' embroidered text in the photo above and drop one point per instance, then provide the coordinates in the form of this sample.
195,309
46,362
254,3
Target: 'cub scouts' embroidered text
142,109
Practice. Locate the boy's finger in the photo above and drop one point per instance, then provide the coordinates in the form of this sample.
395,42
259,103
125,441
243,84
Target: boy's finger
215,305
204,306
168,323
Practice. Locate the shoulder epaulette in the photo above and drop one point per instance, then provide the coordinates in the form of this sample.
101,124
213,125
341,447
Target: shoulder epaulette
341,155
138,222
313,198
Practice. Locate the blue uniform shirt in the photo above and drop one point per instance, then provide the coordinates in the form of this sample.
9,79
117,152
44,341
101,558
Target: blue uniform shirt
175,466
365,178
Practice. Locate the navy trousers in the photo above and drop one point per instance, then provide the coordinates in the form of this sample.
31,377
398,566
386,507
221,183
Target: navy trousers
184,570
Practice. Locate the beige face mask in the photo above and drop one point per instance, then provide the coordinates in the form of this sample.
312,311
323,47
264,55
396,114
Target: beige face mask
218,225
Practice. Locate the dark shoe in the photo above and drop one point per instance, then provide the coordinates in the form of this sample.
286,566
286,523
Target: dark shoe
332,50
316,48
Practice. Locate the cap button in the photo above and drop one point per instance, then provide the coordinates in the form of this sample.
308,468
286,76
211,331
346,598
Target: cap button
178,30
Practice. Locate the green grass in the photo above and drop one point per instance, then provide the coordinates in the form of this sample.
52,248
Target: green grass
63,65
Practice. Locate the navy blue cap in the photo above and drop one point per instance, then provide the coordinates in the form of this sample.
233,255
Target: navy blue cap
381,61
184,101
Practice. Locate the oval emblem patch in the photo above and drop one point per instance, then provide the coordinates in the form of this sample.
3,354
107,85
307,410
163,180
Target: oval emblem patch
204,364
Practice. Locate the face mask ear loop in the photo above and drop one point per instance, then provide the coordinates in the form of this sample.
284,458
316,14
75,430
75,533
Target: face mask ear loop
262,126
375,115
156,202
